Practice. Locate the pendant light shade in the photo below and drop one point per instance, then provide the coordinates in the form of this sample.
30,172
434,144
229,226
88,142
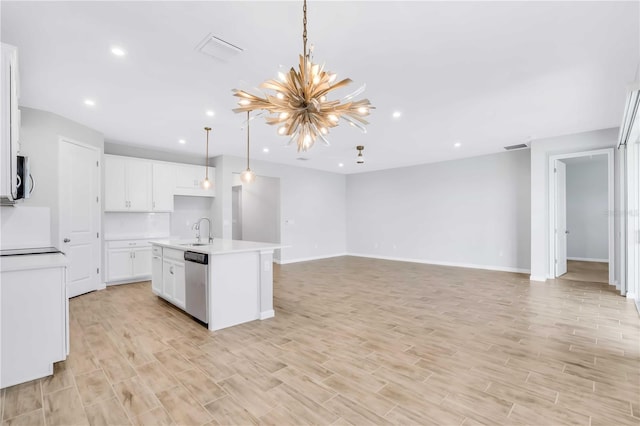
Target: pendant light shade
248,176
206,184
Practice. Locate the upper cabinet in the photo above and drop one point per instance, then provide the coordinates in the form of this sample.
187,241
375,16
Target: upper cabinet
127,185
138,185
190,179
164,184
10,121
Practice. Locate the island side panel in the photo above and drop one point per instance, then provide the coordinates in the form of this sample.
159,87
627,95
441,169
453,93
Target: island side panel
234,289
266,284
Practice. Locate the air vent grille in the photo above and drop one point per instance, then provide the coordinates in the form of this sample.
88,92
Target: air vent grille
518,146
218,48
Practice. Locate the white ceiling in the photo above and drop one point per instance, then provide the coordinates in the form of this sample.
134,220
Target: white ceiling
484,74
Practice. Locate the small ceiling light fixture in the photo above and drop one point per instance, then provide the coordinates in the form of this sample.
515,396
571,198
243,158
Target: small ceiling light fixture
210,113
360,157
118,51
182,141
340,164
265,150
396,114
457,144
300,101
248,176
206,184
90,102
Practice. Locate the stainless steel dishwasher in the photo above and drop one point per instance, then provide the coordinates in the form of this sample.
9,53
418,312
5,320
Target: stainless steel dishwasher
197,285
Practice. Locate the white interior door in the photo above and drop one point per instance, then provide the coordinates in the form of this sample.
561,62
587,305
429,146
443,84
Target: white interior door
79,215
561,218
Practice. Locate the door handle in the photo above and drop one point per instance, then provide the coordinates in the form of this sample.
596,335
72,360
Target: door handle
66,240
566,232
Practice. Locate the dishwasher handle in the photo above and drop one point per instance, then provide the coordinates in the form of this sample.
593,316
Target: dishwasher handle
195,257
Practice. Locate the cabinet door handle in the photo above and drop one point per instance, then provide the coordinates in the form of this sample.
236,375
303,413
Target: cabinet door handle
66,240
134,254
132,244
153,204
171,270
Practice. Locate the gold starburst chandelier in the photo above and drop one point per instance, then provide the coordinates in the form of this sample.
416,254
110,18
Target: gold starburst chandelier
300,103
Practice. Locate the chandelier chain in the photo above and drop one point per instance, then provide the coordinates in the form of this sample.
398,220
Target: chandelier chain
304,32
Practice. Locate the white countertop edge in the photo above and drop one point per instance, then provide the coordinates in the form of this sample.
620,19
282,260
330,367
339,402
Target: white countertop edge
134,237
32,261
219,246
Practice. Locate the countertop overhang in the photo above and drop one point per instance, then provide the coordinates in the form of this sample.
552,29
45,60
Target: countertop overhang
32,261
218,246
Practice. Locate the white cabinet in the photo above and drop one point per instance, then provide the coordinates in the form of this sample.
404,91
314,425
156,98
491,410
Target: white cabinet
189,180
173,277
127,184
164,185
156,270
34,319
128,261
10,121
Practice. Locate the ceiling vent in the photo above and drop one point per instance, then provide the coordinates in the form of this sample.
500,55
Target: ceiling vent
218,48
519,146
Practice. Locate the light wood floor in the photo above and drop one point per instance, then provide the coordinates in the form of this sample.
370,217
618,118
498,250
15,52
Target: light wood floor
354,341
594,272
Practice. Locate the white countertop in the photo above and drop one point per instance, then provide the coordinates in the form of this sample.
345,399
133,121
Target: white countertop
116,237
219,246
32,261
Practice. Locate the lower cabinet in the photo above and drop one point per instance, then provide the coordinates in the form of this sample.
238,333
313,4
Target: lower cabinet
168,275
34,318
128,261
173,277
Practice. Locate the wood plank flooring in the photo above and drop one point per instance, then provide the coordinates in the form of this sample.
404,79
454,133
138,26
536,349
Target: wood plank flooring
354,341
597,272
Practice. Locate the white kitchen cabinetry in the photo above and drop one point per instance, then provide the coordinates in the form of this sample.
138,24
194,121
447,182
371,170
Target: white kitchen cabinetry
10,121
34,312
127,184
156,270
164,185
128,261
173,277
189,179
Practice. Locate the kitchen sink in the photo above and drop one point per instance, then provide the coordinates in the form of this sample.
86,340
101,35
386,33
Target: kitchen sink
194,244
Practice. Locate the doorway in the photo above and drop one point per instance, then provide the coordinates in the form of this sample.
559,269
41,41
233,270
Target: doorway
79,215
236,212
582,227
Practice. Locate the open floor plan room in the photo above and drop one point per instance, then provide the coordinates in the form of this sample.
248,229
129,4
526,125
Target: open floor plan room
355,341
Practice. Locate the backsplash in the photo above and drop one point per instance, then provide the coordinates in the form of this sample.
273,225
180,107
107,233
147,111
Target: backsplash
136,225
187,210
25,227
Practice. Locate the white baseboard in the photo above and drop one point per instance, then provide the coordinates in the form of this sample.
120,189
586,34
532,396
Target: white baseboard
441,263
306,259
267,314
588,259
537,278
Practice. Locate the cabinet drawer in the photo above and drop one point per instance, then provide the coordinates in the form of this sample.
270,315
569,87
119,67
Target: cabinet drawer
128,244
176,255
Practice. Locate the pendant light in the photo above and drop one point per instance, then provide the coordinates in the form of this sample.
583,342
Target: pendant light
206,184
247,176
360,157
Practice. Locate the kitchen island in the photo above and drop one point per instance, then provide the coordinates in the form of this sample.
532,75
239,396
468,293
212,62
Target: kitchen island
239,279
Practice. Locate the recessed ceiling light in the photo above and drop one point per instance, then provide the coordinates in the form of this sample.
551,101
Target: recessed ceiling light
118,51
89,102
396,114
457,144
210,113
182,141
340,164
265,150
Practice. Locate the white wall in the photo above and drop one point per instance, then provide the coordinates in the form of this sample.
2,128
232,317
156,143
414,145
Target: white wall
261,210
470,212
587,209
39,140
541,150
312,207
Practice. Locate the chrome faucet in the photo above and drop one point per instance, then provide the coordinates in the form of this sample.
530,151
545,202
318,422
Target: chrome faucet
196,227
